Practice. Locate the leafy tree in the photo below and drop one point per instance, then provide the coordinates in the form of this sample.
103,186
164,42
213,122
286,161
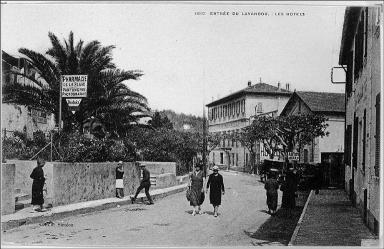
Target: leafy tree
265,129
248,136
295,131
158,121
108,98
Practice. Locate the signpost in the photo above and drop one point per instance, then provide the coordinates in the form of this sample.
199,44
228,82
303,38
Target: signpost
294,156
73,88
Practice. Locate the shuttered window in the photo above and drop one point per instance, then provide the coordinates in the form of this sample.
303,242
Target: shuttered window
348,145
364,138
377,152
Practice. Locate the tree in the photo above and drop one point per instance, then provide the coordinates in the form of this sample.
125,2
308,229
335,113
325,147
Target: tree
158,121
108,99
265,129
295,131
248,136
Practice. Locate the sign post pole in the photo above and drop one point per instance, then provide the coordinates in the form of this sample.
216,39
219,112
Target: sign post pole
60,107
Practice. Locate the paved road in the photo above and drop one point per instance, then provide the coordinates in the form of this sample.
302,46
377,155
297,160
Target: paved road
167,223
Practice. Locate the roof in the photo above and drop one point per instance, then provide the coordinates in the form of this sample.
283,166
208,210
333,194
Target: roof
323,102
351,18
257,89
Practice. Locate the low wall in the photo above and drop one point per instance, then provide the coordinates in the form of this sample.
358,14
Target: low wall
157,168
78,182
166,180
23,181
73,182
7,188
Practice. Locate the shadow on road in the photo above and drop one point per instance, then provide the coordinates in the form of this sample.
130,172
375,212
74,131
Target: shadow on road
280,226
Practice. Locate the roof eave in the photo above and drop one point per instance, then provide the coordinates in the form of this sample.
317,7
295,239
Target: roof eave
351,18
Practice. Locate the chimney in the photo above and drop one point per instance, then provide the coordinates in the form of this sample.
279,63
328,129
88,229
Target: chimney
287,86
278,85
249,83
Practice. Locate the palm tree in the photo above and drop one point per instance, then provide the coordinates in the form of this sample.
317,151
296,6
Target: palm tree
108,98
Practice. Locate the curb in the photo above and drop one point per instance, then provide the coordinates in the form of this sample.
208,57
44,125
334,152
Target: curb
83,210
297,228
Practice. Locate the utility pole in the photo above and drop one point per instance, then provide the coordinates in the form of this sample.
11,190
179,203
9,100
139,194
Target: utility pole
204,143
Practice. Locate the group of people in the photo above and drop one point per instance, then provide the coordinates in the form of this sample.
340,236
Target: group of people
215,186
288,186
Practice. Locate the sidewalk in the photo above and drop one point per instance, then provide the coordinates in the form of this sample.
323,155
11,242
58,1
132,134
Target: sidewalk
28,216
329,219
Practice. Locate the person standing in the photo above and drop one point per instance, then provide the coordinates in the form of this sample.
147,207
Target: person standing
119,180
37,186
289,188
144,184
196,183
215,184
271,186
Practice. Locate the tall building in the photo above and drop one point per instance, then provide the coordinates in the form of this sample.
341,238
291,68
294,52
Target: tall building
360,56
233,112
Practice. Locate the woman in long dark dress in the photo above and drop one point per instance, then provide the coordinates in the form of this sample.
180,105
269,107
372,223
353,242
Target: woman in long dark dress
271,186
196,182
37,186
216,185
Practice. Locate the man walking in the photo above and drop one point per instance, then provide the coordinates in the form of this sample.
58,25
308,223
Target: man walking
144,184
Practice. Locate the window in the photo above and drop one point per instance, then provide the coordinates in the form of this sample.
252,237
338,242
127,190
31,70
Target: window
355,141
237,159
349,75
246,159
312,150
364,138
365,32
259,108
305,156
377,136
348,145
359,46
213,157
221,158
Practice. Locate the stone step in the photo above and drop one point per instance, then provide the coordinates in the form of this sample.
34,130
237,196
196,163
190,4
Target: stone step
22,204
22,197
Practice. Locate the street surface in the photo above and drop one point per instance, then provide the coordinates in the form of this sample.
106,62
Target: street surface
167,223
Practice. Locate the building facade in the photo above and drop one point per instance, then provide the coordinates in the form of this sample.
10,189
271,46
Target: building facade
18,117
231,113
360,56
327,150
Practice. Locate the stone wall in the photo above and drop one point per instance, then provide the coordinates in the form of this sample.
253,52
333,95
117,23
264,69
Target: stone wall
78,182
157,168
7,188
166,180
68,183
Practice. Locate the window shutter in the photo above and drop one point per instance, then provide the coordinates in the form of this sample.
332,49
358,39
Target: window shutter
377,152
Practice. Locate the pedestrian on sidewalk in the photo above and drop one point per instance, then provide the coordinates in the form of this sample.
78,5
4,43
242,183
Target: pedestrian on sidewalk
119,180
37,186
317,181
271,186
215,184
289,188
196,182
144,184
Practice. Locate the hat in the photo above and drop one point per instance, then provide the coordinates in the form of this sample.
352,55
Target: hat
215,168
142,164
120,162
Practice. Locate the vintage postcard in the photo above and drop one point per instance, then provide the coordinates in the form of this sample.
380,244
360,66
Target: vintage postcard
191,124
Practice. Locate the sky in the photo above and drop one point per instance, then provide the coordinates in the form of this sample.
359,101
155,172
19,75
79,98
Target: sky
189,55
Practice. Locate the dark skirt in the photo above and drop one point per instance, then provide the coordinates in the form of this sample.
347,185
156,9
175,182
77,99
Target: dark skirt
215,196
272,201
196,197
37,193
